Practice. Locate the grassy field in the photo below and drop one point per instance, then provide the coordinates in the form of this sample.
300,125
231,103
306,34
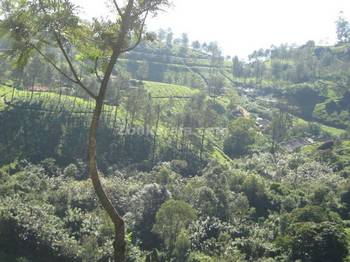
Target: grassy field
161,89
332,131
154,88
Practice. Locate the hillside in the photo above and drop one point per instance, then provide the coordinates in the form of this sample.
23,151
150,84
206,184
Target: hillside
45,107
249,151
118,144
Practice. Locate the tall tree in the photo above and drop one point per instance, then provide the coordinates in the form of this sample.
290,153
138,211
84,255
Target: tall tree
169,38
281,123
237,67
49,26
196,45
343,29
184,43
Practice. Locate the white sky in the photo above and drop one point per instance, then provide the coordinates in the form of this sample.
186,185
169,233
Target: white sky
242,26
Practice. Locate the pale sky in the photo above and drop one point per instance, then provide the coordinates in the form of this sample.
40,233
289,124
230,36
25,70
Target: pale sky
242,26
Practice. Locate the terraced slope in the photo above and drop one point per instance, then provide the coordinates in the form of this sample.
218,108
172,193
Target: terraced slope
116,118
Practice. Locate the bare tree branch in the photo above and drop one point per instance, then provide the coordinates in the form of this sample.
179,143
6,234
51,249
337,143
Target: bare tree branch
51,62
120,12
139,38
71,66
96,71
125,24
150,8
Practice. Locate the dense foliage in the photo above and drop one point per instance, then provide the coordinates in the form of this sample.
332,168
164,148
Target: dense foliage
207,158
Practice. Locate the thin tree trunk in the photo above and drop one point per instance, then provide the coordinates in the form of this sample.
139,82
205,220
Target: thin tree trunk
202,144
115,116
126,131
32,91
13,93
119,241
119,225
155,134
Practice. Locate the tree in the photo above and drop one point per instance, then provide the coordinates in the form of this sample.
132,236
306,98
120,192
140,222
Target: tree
169,38
237,67
234,100
173,217
199,116
281,123
44,26
209,117
318,242
184,41
206,201
146,204
306,97
161,34
196,45
256,192
314,233
182,247
276,69
242,135
343,29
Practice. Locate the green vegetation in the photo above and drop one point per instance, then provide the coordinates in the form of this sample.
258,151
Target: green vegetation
242,136
202,157
168,90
